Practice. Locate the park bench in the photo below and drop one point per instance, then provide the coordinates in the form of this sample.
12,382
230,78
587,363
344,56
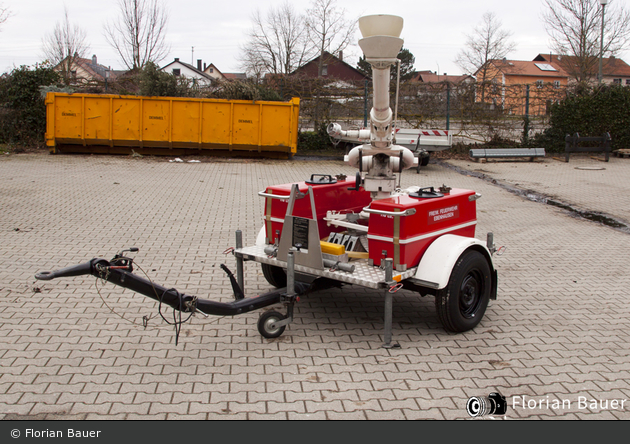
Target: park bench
506,153
575,144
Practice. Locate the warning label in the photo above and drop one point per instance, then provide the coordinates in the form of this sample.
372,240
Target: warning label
443,214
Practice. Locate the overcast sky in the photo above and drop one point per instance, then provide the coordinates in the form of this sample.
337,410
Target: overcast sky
434,31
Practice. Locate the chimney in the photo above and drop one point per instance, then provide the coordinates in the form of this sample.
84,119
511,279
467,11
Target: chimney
177,59
199,64
341,55
204,66
94,59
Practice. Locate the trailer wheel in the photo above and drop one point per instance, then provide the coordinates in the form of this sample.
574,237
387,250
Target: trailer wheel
425,160
276,276
462,303
265,324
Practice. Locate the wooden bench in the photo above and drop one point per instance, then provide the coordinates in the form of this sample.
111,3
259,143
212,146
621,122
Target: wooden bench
573,144
506,153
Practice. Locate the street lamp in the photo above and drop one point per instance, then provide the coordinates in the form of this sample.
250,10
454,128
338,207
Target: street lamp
601,43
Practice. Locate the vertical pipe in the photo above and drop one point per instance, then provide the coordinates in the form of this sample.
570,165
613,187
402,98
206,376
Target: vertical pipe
239,261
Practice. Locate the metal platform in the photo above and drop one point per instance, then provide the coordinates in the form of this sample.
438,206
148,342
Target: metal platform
364,274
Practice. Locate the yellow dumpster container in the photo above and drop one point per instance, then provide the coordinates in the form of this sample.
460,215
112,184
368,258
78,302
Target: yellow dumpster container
105,123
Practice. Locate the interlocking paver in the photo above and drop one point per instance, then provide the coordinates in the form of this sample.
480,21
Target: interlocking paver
559,329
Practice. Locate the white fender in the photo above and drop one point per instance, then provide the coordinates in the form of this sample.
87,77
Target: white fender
262,237
438,261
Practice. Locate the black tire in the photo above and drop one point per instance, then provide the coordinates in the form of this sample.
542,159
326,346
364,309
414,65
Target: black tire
424,161
462,303
276,276
266,320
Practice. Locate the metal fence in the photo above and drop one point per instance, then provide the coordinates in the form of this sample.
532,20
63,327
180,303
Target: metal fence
472,112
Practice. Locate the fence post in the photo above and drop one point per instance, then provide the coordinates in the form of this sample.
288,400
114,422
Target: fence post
448,106
526,119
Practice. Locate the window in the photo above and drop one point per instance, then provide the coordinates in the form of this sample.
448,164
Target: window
540,83
617,81
545,67
325,70
627,81
176,71
556,84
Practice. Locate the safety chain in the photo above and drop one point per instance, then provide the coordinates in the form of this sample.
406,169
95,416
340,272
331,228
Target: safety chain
395,288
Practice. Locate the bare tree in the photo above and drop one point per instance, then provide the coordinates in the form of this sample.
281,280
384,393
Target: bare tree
5,13
138,35
329,29
487,42
277,43
65,46
574,27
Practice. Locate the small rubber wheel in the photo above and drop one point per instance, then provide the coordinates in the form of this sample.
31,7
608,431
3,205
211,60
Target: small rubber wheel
276,276
425,161
265,324
462,303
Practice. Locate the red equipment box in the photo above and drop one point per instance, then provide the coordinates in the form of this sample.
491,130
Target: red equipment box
328,197
406,238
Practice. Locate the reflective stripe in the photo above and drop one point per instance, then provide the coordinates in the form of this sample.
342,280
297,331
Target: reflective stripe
423,236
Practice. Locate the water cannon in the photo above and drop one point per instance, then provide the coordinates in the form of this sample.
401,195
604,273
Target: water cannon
380,159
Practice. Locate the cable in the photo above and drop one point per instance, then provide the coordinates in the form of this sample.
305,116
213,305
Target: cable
145,319
177,323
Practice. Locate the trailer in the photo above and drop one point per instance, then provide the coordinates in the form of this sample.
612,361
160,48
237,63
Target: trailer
333,230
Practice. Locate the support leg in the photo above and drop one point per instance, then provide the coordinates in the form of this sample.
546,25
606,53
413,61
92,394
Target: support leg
389,273
239,261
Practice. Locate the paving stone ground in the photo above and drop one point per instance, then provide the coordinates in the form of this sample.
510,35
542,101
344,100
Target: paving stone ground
555,343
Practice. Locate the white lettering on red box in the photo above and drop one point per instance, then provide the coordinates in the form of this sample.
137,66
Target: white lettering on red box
443,214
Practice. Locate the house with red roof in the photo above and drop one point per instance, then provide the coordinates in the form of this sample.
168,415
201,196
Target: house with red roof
509,82
614,70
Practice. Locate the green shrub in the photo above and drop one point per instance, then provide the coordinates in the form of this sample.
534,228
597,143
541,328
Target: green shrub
606,109
314,140
22,106
154,82
245,90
